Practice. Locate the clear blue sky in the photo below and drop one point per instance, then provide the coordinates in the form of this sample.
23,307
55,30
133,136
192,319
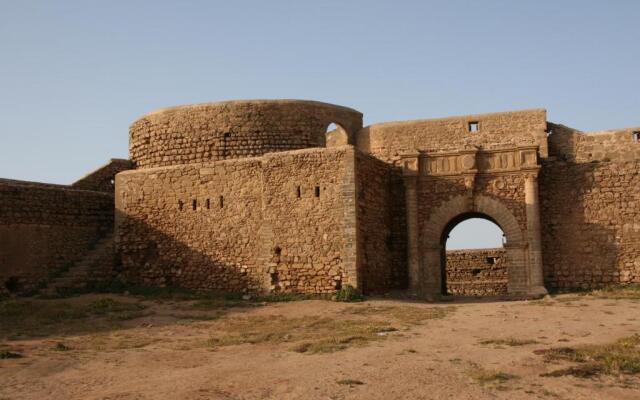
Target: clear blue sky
74,74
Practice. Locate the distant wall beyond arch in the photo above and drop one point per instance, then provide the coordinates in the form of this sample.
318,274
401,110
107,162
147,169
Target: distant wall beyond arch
234,129
336,136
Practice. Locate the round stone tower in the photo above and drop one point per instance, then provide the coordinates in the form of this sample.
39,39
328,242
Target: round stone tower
235,129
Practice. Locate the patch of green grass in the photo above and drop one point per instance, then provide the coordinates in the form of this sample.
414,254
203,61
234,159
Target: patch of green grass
349,293
285,297
623,292
619,357
310,334
513,342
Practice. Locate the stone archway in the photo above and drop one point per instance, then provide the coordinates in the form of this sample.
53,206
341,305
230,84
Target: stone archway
441,219
500,184
478,269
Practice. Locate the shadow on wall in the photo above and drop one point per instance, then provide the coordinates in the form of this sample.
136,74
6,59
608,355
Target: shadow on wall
576,252
153,258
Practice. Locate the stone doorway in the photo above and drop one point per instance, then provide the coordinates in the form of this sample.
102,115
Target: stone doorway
473,259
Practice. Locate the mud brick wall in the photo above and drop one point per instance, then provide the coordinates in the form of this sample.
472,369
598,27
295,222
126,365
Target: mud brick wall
590,216
381,245
481,272
45,228
234,129
103,178
270,224
388,141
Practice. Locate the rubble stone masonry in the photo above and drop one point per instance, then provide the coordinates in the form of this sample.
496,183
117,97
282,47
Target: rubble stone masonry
276,223
46,228
269,196
479,272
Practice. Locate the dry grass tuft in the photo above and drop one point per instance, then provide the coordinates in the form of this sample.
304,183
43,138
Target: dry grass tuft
350,382
626,292
310,334
513,342
486,377
32,318
620,357
405,315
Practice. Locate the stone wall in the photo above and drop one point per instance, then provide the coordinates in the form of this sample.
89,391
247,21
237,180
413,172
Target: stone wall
381,243
590,216
481,272
45,228
388,141
567,144
276,223
103,178
234,129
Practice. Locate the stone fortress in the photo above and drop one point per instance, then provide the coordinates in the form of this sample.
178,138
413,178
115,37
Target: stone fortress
260,196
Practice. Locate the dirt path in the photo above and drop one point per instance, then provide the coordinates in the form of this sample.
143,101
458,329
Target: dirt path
170,353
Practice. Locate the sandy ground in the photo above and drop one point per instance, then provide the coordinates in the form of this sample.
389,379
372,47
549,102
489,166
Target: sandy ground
161,356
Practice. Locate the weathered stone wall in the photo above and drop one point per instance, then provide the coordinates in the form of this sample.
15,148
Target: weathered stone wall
508,189
389,140
103,178
381,244
309,219
193,226
590,216
567,144
277,223
480,272
45,228
234,129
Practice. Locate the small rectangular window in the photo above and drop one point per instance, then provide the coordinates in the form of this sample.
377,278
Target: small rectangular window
194,204
299,192
317,191
221,201
636,136
207,204
474,126
180,205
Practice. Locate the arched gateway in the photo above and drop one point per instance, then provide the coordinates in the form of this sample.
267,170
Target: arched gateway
444,188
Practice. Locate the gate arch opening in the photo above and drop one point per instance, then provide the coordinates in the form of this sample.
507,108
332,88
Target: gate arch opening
473,258
336,135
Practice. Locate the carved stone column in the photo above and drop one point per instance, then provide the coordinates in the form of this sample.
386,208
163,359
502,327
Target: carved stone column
536,280
413,248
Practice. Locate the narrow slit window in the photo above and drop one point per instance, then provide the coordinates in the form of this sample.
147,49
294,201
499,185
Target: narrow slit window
207,204
180,205
194,204
299,192
474,126
636,136
227,135
221,201
317,191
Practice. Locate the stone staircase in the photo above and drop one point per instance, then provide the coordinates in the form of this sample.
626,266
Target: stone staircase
96,266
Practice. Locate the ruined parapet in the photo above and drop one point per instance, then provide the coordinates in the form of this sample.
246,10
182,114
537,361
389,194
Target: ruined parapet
234,129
